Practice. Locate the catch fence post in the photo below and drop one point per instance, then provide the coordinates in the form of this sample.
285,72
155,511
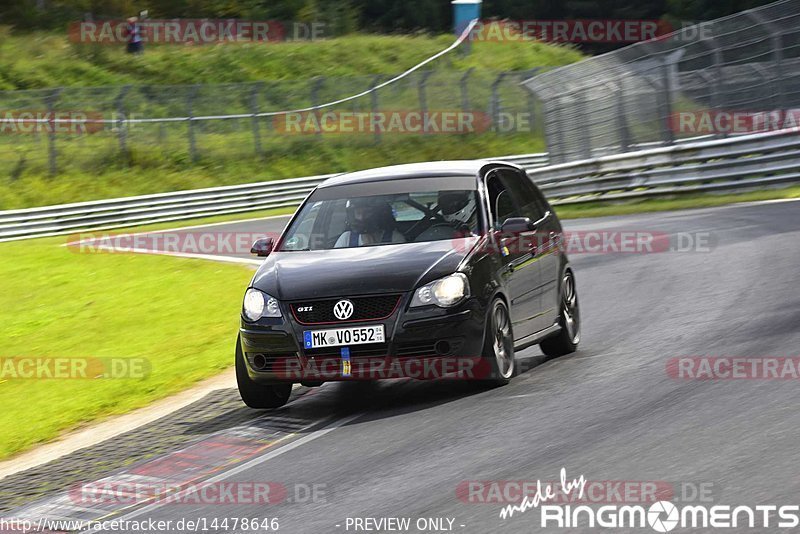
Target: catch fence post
122,125
52,152
190,126
256,90
374,105
423,97
494,104
316,85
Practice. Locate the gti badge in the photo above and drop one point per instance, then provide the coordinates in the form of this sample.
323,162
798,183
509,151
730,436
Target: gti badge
343,309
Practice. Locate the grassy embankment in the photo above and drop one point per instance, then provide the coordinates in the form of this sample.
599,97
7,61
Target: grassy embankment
158,159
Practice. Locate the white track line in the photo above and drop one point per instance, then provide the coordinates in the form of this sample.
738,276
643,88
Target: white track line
191,255
180,228
209,257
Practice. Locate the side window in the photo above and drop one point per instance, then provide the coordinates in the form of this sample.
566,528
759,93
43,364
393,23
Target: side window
336,223
525,194
541,201
500,202
322,225
301,238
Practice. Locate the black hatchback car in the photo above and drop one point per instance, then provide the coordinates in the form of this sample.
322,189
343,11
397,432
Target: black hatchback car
424,270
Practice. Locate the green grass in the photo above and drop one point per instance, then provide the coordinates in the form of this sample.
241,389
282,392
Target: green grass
157,170
678,202
158,157
179,315
43,59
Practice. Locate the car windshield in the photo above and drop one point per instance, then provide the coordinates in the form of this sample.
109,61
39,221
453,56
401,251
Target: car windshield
386,213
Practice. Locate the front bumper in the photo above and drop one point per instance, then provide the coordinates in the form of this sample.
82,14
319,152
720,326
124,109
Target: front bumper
426,342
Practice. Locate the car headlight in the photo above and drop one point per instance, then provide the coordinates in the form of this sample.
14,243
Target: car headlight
257,305
443,292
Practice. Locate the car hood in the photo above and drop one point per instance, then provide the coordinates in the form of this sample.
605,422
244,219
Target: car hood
359,271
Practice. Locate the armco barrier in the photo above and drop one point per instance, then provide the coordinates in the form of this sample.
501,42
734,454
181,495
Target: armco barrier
175,206
748,161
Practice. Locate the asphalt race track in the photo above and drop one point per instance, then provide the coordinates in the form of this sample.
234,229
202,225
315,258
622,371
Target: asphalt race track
610,412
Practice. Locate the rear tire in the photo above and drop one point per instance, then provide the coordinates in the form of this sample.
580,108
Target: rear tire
254,395
569,318
498,345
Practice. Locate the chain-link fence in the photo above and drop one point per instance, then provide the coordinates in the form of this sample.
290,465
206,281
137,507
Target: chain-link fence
86,129
738,74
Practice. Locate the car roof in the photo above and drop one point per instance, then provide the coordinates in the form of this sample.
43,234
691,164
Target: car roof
467,167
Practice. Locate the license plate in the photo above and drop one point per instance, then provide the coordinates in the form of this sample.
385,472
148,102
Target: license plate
337,337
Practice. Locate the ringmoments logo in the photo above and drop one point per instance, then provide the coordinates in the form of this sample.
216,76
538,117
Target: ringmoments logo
660,516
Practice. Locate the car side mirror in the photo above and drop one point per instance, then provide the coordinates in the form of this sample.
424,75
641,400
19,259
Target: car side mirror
516,225
262,247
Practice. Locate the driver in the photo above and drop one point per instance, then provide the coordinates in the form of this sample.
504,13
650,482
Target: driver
370,222
459,209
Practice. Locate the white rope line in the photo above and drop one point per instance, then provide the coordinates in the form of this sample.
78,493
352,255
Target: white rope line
434,57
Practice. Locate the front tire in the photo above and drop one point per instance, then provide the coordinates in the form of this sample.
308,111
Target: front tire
569,318
254,395
498,344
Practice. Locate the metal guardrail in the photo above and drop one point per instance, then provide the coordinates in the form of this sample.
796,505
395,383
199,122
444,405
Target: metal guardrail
147,209
166,207
750,161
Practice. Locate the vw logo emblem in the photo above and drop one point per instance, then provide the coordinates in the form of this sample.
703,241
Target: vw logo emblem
343,309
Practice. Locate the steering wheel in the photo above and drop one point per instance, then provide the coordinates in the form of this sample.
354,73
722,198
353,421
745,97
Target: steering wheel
434,219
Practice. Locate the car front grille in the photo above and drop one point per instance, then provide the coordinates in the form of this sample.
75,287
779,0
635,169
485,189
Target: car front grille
368,308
